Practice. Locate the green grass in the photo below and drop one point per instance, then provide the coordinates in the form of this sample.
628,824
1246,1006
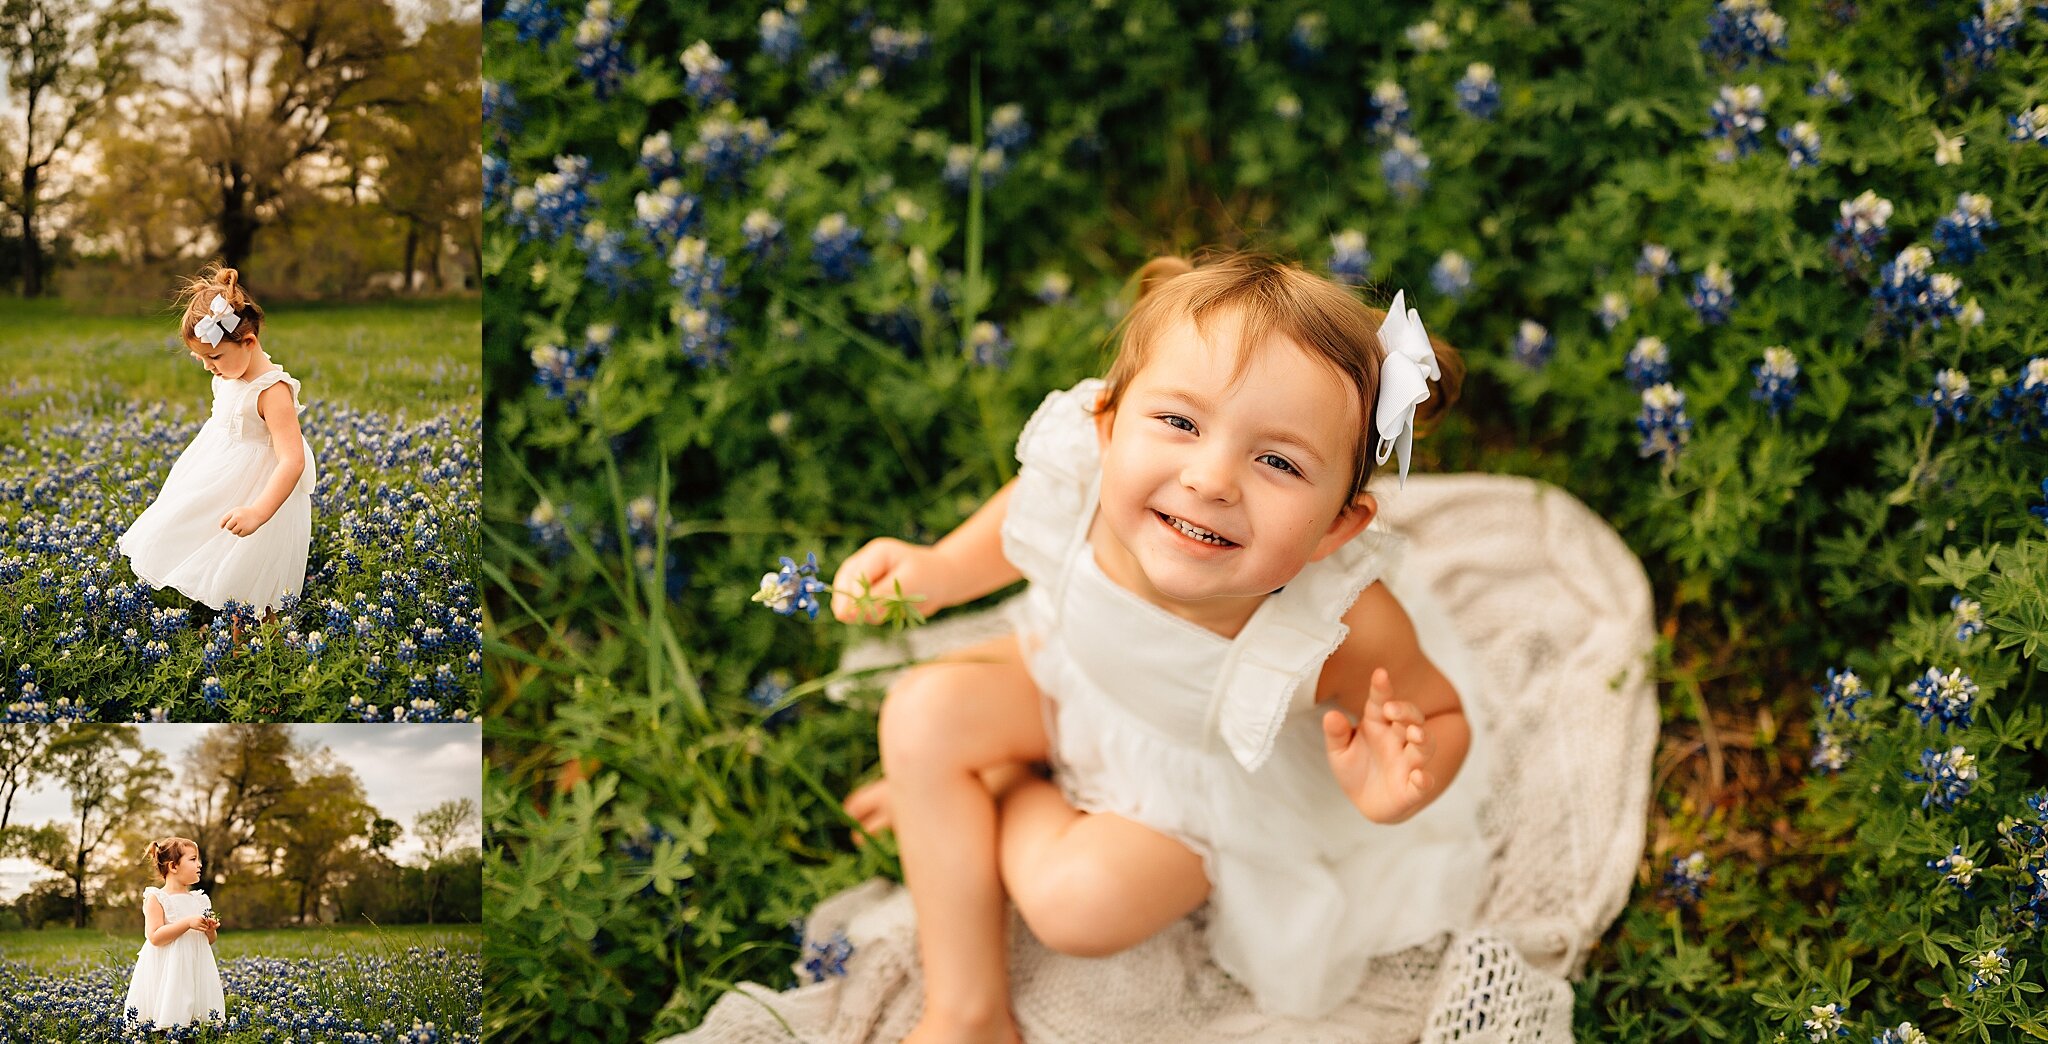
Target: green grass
45,950
402,357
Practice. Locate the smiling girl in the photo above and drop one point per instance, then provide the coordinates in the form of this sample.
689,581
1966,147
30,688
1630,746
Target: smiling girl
1236,710
234,520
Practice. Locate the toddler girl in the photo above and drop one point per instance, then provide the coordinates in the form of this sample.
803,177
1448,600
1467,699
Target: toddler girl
234,519
175,981
1236,710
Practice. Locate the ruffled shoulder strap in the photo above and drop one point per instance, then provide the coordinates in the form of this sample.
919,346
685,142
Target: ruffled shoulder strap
276,376
1272,666
1060,460
153,892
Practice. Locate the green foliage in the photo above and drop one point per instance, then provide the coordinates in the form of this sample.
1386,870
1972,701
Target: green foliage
631,510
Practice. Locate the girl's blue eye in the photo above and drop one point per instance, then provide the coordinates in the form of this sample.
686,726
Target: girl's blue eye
1184,423
1280,462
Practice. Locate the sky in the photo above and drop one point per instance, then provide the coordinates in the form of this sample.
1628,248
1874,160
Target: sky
405,769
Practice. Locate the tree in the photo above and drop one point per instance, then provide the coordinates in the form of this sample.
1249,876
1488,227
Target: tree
107,788
430,144
289,72
21,746
65,62
236,778
320,831
438,829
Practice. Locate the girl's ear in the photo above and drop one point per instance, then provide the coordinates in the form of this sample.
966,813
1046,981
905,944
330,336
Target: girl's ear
1104,420
1349,523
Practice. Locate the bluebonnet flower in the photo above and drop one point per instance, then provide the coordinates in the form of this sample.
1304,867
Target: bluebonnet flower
2040,510
554,206
1403,165
1310,35
548,529
902,211
763,231
154,650
835,246
1613,309
698,273
703,334
1829,755
1389,109
659,159
2023,404
1826,1022
824,72
1451,275
500,110
1802,144
1656,262
1840,695
1950,697
1239,28
794,588
828,959
1959,234
1987,969
1950,397
1349,259
728,148
1713,294
1533,344
1956,868
1903,1033
639,846
1478,92
600,51
892,48
1859,229
1663,424
2030,125
665,214
210,690
705,75
1969,617
768,692
497,177
1987,32
1832,86
1054,286
781,35
1777,379
1740,30
536,20
608,260
1648,364
1426,36
1738,118
563,373
1007,128
987,345
961,162
1950,775
316,643
1688,878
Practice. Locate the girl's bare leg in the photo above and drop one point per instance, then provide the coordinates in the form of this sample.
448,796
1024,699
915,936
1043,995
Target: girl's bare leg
941,726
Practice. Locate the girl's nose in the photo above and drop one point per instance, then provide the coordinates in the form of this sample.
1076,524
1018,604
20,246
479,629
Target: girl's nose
1211,476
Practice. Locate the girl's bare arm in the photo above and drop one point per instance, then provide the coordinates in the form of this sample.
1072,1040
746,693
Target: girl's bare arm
160,932
973,551
281,417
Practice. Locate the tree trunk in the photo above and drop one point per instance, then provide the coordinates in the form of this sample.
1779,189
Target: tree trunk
78,890
32,269
237,224
412,246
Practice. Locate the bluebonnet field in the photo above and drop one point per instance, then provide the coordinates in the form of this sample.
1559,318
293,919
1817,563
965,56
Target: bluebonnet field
389,625
1760,284
417,996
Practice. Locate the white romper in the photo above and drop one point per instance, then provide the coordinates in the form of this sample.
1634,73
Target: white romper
1214,741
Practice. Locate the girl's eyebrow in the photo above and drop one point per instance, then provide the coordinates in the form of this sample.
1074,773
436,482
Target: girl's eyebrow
1280,435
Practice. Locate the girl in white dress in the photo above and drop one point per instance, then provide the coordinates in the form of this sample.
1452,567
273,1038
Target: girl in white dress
1237,711
234,520
176,982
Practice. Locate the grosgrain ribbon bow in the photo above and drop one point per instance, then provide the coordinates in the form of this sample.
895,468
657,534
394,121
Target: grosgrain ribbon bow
1405,373
219,321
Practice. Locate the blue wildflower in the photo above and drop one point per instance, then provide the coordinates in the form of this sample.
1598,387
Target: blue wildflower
1950,397
1829,755
2023,404
1426,36
1907,297
1987,32
1648,363
2040,510
835,246
1741,30
698,273
665,215
1959,234
1826,1022
210,690
659,159
1956,869
961,162
1007,128
1738,118
703,334
727,148
1349,259
639,846
1613,309
1478,92
1949,697
1777,379
1802,144
1533,344
1688,878
828,959
767,694
781,35
497,178
1239,28
1054,286
1306,41
2031,125
705,75
500,110
1840,695
1859,229
1969,617
824,72
1987,969
1389,109
1663,425
763,233
316,643
562,373
537,21
1903,1033
554,206
1404,164
794,588
547,527
1950,775
608,260
1451,276
1832,86
1656,262
600,49
893,48
1713,294
987,345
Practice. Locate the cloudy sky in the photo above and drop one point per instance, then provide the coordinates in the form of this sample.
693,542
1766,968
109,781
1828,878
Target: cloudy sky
405,769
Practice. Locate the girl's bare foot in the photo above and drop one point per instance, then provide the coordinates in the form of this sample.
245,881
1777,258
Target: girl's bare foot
869,802
935,1028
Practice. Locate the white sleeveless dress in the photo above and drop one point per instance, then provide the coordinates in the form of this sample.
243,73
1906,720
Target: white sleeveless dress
178,541
1215,741
176,984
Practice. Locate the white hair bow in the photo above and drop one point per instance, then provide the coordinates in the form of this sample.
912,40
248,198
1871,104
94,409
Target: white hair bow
1405,373
219,321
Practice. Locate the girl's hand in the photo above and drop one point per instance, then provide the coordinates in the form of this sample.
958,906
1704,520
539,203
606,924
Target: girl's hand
885,562
1379,764
243,521
211,927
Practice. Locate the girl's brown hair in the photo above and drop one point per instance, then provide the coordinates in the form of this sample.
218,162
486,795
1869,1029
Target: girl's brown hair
165,854
197,294
1273,296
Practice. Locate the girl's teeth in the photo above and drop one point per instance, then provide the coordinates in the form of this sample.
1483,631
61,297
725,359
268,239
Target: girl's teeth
1196,532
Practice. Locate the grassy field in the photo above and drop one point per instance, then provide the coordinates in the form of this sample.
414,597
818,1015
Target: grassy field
402,357
44,950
